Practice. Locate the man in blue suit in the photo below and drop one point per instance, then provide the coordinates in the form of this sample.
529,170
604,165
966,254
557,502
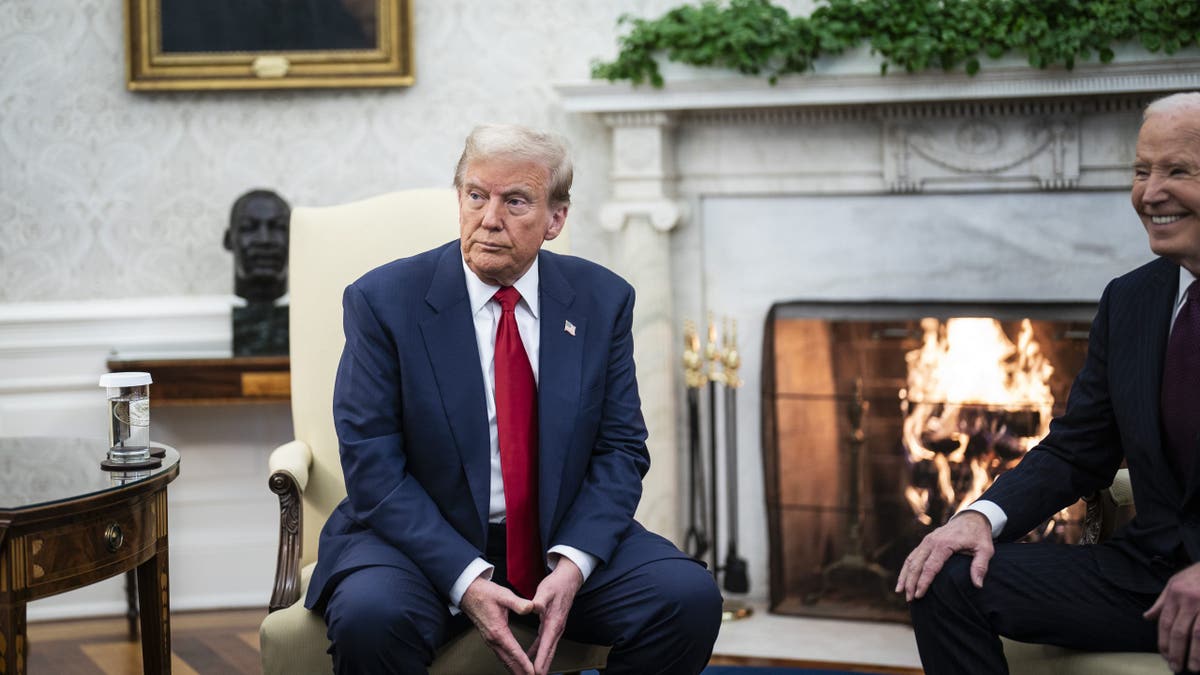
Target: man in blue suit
423,544
1137,399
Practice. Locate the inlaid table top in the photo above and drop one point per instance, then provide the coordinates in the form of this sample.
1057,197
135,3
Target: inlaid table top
40,471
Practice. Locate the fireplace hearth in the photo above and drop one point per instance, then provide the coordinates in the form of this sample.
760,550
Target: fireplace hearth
877,428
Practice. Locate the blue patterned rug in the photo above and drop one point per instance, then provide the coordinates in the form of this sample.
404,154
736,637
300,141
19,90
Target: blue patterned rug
755,670
767,670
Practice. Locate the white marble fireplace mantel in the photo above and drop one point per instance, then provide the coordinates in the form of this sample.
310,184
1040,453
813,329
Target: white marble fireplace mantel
854,80
728,194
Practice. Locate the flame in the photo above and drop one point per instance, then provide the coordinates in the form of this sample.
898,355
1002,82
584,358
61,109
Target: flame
974,404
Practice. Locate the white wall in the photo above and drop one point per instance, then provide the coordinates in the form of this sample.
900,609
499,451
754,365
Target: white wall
106,193
131,192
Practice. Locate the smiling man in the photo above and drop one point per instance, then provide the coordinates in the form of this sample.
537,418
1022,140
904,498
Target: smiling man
1137,400
493,446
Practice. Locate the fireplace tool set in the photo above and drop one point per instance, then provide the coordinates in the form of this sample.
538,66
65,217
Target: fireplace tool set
722,381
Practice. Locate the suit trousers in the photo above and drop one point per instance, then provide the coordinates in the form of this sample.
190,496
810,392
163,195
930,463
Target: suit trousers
1040,593
661,617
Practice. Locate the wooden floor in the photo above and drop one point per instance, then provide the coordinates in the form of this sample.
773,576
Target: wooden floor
226,643
202,643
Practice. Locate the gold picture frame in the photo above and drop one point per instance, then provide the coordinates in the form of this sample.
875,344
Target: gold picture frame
197,45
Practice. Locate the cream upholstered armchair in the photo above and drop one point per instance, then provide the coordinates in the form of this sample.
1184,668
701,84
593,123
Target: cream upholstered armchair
331,247
1031,659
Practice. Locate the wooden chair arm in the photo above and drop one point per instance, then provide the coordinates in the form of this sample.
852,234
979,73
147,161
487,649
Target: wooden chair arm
295,458
289,475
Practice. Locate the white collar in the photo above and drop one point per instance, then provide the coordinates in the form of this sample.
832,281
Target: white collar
1185,279
481,293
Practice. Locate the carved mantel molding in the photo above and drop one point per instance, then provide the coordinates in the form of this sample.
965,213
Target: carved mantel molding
1009,128
662,214
643,171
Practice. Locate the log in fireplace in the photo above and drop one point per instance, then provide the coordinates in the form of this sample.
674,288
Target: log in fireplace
882,419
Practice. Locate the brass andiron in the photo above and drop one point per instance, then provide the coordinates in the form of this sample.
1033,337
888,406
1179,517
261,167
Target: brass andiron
854,570
693,364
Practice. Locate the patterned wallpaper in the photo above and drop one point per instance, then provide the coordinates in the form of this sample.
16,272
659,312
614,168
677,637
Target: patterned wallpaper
106,193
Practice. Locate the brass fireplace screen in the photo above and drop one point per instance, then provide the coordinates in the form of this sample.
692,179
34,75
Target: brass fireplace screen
880,420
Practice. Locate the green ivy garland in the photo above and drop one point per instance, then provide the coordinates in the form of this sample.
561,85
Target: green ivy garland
757,37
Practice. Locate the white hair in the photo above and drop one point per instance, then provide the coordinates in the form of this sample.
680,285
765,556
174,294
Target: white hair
1174,103
489,141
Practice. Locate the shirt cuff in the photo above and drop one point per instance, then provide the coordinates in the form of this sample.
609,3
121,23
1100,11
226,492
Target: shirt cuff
586,562
478,568
992,511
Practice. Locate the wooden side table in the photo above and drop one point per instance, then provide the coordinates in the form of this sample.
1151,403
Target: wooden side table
66,523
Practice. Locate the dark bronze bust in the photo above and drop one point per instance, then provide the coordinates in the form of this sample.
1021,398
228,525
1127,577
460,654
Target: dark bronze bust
258,238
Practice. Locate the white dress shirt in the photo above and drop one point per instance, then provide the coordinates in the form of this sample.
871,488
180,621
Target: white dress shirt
486,313
991,510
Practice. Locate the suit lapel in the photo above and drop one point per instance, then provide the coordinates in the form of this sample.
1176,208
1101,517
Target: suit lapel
450,341
560,360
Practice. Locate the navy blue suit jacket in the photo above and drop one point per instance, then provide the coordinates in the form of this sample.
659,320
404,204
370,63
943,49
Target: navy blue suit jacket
411,420
1113,415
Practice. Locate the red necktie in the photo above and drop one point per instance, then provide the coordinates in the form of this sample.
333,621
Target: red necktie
1181,385
516,419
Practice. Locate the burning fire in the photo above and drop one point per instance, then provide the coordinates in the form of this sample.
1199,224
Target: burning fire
974,405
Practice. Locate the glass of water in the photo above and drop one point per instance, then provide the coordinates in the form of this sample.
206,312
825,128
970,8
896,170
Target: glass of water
128,416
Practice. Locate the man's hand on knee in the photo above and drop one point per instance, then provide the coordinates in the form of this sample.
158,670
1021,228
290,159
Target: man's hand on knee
1177,611
967,532
552,602
487,604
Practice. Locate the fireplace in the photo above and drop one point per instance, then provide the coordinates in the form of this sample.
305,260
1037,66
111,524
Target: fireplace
869,441
726,194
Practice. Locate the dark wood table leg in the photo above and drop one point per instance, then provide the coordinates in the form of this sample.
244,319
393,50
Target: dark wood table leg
155,600
131,604
13,640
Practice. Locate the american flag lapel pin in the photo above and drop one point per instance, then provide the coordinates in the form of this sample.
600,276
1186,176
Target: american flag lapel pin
569,328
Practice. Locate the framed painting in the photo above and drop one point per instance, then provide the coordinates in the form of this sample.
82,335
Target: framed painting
267,44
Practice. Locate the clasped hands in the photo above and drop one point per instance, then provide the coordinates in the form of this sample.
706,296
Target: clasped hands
1177,609
487,604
